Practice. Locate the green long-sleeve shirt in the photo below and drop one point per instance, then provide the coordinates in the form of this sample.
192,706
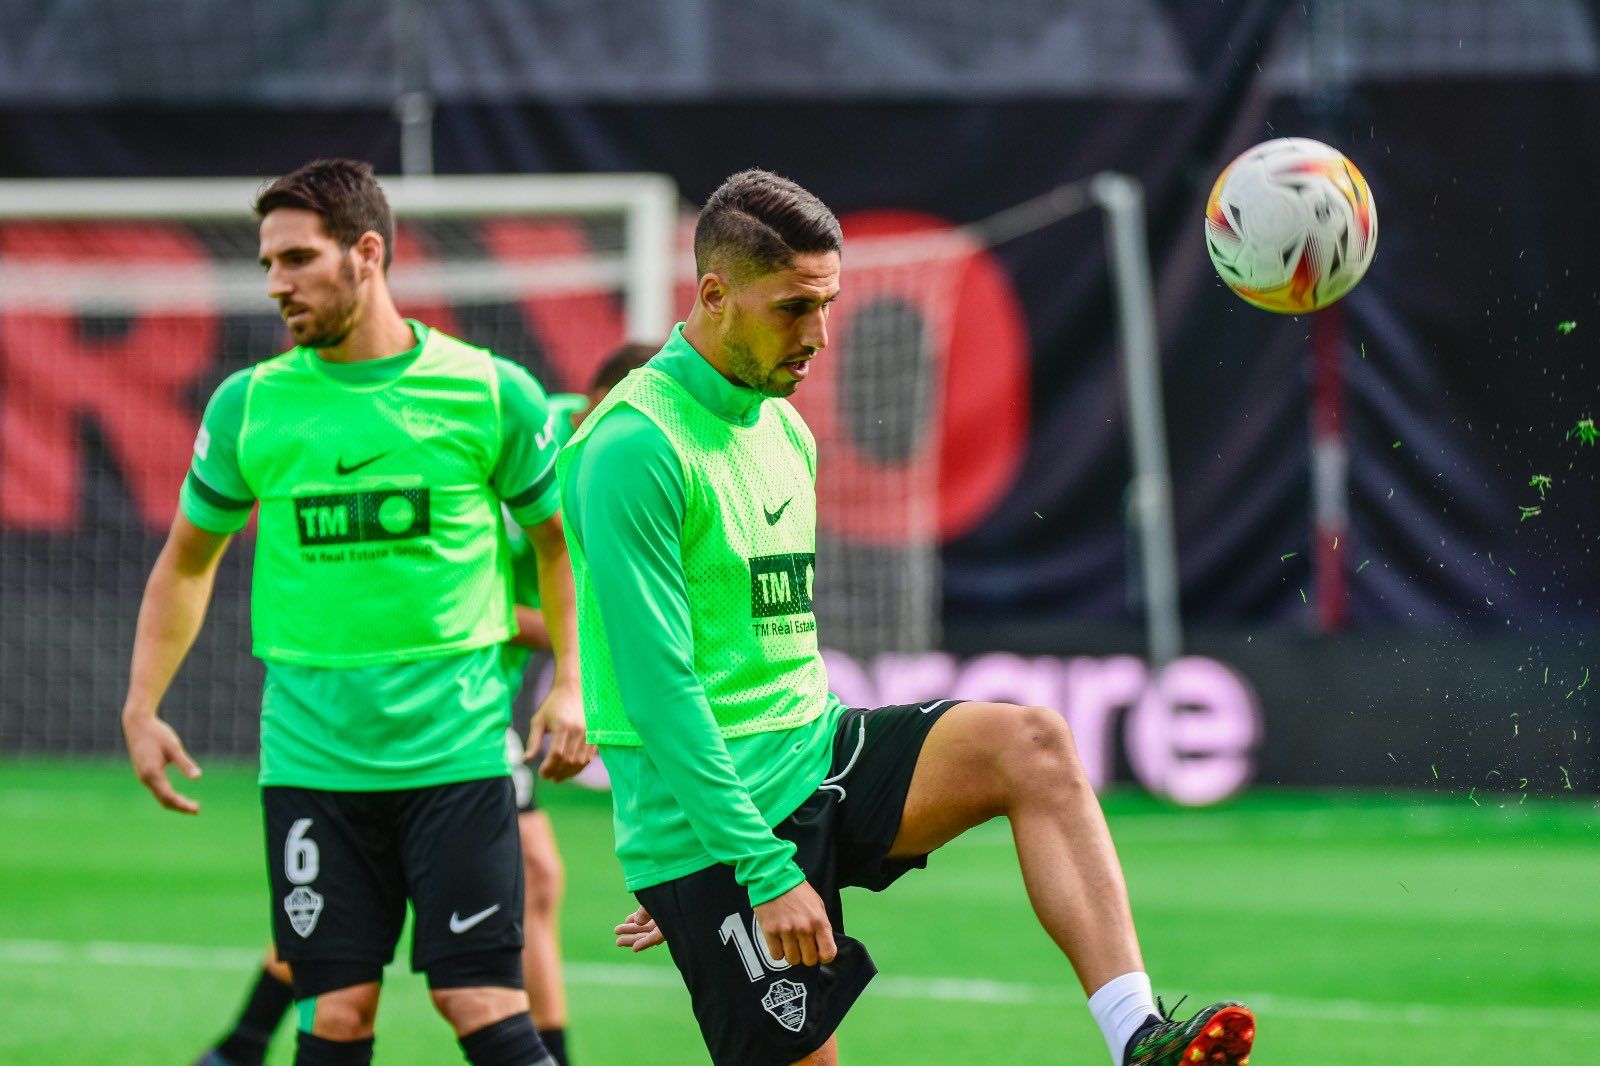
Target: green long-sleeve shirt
686,799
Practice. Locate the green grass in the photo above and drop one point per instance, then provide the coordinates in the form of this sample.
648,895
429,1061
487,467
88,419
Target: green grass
1368,929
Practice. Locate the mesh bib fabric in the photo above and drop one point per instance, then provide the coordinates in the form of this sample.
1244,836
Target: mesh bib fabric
379,539
749,558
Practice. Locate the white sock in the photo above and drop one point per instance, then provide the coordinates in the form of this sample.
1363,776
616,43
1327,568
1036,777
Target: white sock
1119,1008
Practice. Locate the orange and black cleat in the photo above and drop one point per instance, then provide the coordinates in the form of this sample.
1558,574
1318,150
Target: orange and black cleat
1219,1034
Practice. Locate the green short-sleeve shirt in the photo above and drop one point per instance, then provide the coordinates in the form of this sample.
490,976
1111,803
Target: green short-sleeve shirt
402,725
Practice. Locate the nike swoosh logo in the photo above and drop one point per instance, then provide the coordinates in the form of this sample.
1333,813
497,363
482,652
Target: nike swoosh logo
773,516
461,925
929,708
341,469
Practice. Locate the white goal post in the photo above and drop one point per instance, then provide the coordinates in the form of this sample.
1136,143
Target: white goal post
647,203
124,303
1149,501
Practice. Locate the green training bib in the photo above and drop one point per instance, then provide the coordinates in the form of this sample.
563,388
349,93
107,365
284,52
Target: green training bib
749,559
379,539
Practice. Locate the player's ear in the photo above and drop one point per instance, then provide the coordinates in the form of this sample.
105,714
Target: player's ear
714,294
369,253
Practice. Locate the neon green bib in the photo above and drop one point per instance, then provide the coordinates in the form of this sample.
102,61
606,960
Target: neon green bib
749,557
379,539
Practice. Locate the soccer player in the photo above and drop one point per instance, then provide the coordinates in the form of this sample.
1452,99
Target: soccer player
271,995
746,796
380,452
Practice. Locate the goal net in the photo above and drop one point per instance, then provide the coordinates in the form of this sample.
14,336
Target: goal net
123,304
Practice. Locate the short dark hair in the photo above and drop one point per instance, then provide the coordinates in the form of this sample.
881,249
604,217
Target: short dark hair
619,364
757,222
341,192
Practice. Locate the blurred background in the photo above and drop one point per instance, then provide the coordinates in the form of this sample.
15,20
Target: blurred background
1304,568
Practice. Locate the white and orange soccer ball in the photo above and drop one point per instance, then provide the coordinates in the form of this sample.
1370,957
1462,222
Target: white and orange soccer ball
1291,226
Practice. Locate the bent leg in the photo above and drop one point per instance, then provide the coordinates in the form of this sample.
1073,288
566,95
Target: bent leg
346,1013
269,1000
338,904
492,1025
470,1009
541,952
983,760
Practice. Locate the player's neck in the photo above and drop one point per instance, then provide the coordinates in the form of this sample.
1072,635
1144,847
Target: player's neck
698,331
380,333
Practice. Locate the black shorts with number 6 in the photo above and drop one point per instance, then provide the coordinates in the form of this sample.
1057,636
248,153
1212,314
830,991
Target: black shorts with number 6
343,865
756,1012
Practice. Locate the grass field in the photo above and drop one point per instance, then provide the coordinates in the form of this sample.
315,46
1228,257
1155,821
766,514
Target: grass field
1365,929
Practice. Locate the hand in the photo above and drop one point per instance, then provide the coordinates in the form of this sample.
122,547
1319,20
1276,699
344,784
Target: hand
638,932
152,744
561,716
797,928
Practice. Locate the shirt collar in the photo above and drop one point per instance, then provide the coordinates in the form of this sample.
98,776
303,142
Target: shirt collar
372,371
680,361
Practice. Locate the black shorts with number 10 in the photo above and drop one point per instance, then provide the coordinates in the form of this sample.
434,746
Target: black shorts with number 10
751,1011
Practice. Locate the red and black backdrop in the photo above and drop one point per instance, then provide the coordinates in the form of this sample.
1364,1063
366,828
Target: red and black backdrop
1479,146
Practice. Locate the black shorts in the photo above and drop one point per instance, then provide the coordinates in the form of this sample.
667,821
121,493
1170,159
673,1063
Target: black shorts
751,1012
343,865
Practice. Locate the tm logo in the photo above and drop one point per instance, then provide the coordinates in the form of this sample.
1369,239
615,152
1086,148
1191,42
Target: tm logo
782,584
356,517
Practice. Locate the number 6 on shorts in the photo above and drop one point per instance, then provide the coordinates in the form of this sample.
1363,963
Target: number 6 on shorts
301,861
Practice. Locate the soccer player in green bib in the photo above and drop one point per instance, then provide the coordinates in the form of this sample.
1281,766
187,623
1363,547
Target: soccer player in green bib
746,796
271,995
381,453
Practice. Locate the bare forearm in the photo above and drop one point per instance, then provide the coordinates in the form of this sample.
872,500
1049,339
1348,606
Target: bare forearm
532,632
561,712
558,604
170,616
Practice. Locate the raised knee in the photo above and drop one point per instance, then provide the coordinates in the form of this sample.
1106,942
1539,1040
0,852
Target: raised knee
1041,752
1044,733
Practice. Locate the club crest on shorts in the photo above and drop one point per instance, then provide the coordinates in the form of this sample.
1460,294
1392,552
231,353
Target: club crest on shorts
786,1001
304,907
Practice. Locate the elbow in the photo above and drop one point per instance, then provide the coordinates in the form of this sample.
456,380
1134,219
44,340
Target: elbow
549,537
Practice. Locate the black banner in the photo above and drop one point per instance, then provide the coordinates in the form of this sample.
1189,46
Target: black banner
1468,354
1461,386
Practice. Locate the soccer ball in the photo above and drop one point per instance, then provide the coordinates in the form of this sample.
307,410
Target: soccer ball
1291,226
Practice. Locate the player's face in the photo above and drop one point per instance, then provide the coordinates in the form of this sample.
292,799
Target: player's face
313,279
776,323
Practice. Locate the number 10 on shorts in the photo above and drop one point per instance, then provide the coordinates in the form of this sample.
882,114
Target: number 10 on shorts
755,958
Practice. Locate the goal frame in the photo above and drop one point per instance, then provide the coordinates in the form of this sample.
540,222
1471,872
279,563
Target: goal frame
648,204
1149,497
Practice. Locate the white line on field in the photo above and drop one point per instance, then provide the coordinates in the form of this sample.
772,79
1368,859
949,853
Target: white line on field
924,989
109,953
